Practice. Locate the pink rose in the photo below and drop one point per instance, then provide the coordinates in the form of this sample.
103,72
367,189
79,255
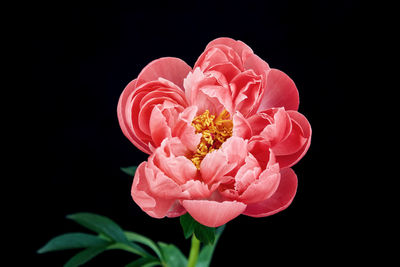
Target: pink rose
221,136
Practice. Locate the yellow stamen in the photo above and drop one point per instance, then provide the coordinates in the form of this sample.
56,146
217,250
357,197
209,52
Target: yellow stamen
214,130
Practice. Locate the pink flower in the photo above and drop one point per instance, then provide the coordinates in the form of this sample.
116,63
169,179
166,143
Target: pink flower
222,136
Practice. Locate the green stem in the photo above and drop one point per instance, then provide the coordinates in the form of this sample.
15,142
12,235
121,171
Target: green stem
194,252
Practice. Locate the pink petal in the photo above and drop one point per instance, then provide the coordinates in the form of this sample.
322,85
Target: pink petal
259,121
196,189
280,91
194,83
159,129
227,69
279,129
292,143
153,206
160,185
212,213
236,150
260,150
246,92
180,169
176,210
280,200
238,46
216,55
215,166
241,127
177,168
185,131
255,63
222,94
302,121
124,120
291,159
141,102
169,68
264,187
247,174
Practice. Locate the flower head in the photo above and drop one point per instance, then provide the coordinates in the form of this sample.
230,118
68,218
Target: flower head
221,136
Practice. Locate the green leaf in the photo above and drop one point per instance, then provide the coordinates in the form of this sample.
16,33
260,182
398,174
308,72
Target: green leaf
100,224
130,247
187,223
71,241
129,170
204,233
173,257
144,262
135,237
84,256
207,251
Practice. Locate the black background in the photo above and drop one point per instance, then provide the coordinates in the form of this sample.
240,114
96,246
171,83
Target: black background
81,56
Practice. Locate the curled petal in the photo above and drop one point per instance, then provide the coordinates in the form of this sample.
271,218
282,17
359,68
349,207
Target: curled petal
280,91
212,213
124,118
241,127
262,188
138,109
160,185
215,166
292,143
247,174
169,68
185,131
159,128
291,159
154,206
218,54
260,150
279,129
227,69
280,200
177,167
205,91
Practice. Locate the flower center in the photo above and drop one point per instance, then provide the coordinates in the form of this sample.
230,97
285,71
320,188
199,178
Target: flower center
214,130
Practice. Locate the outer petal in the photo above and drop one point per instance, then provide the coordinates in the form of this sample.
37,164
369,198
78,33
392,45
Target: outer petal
154,206
291,159
256,64
280,200
212,213
218,54
240,48
169,68
280,91
124,119
160,185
